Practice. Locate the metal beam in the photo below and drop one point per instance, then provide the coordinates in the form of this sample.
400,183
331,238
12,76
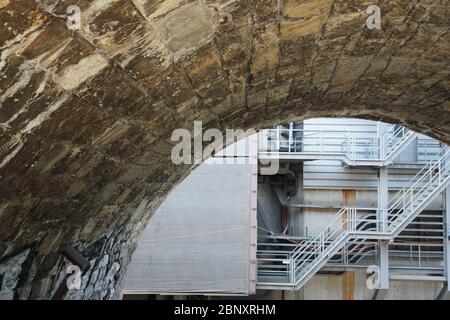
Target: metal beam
383,197
446,216
75,257
383,201
384,266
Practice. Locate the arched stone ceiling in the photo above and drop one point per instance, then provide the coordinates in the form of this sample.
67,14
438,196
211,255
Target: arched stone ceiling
86,115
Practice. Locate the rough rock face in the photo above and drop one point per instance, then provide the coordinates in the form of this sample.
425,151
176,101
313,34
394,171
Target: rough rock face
86,115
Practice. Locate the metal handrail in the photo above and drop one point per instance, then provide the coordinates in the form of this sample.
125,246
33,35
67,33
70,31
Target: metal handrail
424,179
388,138
378,148
345,224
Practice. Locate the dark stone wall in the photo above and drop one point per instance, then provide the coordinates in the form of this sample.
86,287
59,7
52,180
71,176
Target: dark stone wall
27,274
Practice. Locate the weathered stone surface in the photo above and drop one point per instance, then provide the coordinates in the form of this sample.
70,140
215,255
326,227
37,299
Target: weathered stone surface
10,273
6,295
86,115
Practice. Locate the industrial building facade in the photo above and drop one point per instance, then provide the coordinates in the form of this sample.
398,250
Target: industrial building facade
356,210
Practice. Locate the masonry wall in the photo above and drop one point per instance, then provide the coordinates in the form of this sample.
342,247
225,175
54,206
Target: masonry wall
86,116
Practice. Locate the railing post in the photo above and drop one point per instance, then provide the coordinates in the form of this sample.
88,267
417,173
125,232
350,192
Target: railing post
278,139
291,271
322,245
349,222
411,199
404,199
290,136
419,256
353,221
440,168
344,255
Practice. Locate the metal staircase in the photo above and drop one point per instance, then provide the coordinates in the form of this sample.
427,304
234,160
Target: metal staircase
350,224
395,142
299,144
386,149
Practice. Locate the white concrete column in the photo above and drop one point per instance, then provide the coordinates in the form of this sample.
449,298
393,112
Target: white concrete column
383,197
383,201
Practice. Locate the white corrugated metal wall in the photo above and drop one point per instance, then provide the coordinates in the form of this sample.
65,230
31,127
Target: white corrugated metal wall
334,175
198,241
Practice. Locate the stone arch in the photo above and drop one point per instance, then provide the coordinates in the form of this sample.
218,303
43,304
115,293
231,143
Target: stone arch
86,115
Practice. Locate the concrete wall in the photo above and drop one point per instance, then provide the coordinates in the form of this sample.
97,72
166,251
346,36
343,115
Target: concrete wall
352,286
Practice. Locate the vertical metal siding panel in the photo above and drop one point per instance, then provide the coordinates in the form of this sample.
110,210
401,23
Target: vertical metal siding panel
253,223
334,175
198,241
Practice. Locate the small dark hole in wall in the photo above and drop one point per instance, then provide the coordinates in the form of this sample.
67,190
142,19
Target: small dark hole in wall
223,20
